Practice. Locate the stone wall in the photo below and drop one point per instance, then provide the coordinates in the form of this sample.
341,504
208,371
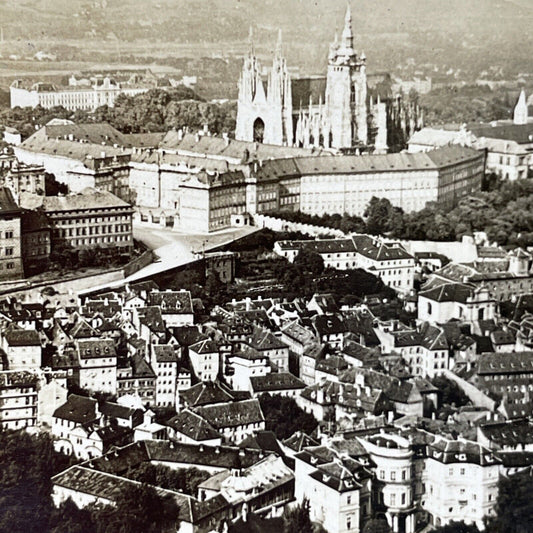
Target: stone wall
478,398
278,224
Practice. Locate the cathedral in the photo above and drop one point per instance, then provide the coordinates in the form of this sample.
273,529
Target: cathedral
335,112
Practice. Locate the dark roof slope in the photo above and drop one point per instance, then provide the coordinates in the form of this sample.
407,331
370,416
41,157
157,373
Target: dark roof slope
233,414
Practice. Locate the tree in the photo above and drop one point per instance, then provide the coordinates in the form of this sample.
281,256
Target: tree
284,417
377,525
382,217
140,509
29,463
52,187
310,262
514,507
68,517
450,392
298,519
457,527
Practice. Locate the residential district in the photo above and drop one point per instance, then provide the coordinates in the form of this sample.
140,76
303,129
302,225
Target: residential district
126,373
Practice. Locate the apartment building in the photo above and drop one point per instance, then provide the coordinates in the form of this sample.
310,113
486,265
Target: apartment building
97,365
18,399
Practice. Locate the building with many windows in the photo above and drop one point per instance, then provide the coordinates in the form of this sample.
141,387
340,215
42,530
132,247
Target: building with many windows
10,236
346,184
387,260
24,178
101,91
86,220
18,399
76,159
508,143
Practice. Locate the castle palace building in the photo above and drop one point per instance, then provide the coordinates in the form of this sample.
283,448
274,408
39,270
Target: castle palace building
335,112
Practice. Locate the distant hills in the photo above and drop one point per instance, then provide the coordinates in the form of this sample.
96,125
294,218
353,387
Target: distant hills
458,32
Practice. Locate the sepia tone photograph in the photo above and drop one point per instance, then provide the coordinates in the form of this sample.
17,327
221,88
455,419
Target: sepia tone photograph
266,266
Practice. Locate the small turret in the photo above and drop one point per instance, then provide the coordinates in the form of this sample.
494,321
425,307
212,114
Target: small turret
520,115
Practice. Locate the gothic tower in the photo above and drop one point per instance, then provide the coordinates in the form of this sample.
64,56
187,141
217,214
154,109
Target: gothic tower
346,92
279,129
265,116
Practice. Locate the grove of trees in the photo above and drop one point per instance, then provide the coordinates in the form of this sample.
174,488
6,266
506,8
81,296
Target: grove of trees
154,111
28,464
284,417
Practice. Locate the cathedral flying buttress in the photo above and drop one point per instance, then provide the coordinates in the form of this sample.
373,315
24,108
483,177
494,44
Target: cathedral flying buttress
336,111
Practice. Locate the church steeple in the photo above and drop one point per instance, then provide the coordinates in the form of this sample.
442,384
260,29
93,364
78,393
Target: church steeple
251,48
347,33
279,45
343,52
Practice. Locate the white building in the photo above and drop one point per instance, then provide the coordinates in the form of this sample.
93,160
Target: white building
164,362
392,456
18,399
425,349
244,365
205,359
98,365
387,260
456,301
461,479
338,488
176,307
103,91
23,349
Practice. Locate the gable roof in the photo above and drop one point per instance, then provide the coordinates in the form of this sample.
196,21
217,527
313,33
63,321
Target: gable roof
165,353
78,409
241,413
449,292
276,382
88,198
206,393
379,250
95,348
171,302
307,90
193,426
508,363
22,337
8,206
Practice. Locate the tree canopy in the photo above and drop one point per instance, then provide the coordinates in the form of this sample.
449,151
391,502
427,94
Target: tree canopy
310,262
298,519
153,111
284,417
514,507
377,525
457,527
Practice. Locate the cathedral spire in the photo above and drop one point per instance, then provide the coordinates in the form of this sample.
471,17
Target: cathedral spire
279,45
251,48
347,33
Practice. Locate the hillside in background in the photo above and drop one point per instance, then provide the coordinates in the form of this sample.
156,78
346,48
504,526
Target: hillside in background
448,40
389,30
